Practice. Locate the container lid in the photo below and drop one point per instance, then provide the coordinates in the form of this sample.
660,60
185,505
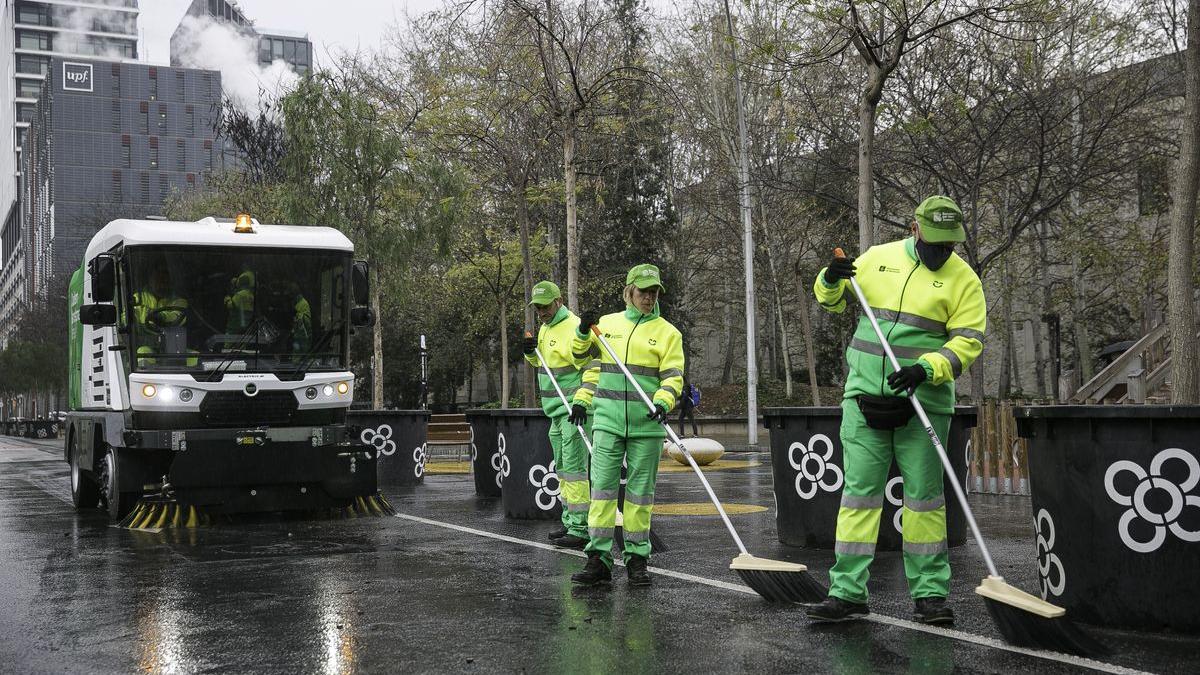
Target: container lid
1109,411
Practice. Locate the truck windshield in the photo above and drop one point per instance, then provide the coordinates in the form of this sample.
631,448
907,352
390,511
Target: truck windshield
209,310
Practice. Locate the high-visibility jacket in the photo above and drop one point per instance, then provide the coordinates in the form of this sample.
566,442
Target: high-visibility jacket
653,350
933,318
554,342
301,324
146,302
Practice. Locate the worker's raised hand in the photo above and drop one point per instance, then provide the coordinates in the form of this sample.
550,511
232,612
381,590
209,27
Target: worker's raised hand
659,414
907,378
839,268
529,345
578,415
587,319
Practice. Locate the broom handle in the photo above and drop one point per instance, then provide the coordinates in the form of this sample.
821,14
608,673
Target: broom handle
937,443
561,396
674,438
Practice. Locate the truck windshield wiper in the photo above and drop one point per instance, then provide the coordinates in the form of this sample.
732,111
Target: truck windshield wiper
219,371
307,357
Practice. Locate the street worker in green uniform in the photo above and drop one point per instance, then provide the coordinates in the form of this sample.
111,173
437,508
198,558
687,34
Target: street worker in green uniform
570,454
621,428
155,308
930,305
240,302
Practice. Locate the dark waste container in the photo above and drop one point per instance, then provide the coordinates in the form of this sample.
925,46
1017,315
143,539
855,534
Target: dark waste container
1116,510
808,472
41,429
486,462
529,482
398,438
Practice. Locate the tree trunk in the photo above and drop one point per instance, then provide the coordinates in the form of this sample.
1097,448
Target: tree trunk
867,107
523,222
1185,359
727,371
572,231
504,382
806,328
1079,327
377,344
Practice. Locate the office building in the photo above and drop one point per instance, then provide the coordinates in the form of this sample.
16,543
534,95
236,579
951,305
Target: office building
292,47
106,140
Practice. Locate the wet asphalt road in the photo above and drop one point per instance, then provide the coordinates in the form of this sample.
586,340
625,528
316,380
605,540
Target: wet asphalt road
450,585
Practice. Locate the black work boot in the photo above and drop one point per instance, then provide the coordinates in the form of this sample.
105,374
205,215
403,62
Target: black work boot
570,541
833,609
636,570
932,610
593,573
557,534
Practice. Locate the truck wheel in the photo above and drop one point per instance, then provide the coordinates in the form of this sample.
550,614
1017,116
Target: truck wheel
85,493
119,503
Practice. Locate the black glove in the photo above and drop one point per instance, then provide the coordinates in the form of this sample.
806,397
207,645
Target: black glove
529,344
659,414
907,378
839,268
578,415
586,321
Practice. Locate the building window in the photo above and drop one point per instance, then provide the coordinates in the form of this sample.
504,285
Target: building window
21,132
126,152
190,115
32,40
32,65
264,50
25,112
164,187
162,118
153,153
144,118
179,85
115,114
1153,186
28,88
191,181
144,180
208,153
180,155
154,84
37,15
117,192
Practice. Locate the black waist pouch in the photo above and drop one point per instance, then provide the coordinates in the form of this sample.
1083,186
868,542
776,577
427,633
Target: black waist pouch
886,413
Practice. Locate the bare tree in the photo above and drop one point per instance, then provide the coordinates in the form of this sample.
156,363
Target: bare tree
1185,359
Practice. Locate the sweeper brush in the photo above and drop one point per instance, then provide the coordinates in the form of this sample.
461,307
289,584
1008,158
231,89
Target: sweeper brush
371,506
1023,619
774,580
158,513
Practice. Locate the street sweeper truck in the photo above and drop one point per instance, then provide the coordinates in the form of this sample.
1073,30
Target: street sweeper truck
209,371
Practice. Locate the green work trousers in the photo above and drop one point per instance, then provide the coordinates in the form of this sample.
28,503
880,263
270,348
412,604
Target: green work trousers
571,462
641,455
868,455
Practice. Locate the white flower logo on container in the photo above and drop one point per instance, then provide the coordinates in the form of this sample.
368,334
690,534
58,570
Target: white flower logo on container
1154,480
500,461
379,438
419,456
896,500
1047,560
540,477
813,467
474,450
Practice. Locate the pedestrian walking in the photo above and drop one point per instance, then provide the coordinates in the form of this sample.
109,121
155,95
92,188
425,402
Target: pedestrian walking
554,338
687,406
622,430
930,304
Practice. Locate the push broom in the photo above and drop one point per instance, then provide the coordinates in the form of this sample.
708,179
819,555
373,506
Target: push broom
655,543
775,580
1024,620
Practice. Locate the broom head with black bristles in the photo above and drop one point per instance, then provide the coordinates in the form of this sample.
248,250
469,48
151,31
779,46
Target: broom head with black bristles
778,581
1028,621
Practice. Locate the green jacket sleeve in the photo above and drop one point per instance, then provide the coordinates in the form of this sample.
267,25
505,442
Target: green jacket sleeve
965,327
585,352
670,373
831,298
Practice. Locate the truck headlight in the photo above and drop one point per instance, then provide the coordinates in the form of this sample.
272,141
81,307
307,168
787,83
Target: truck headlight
167,394
327,390
149,391
342,387
310,393
185,395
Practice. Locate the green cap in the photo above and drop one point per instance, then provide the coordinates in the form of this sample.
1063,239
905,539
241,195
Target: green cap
544,293
940,220
645,276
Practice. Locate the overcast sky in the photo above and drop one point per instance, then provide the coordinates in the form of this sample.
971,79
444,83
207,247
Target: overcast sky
332,25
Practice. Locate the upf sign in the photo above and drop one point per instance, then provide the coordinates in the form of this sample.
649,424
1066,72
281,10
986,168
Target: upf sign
77,76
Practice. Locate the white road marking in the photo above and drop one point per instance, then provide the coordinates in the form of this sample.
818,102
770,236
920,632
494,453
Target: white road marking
746,590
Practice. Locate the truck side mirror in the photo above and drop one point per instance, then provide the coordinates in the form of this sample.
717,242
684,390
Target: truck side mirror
104,282
362,317
98,315
361,283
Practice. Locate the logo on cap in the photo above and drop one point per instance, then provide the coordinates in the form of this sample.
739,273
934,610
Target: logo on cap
945,217
647,273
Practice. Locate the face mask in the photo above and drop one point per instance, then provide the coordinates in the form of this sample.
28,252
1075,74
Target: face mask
933,255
